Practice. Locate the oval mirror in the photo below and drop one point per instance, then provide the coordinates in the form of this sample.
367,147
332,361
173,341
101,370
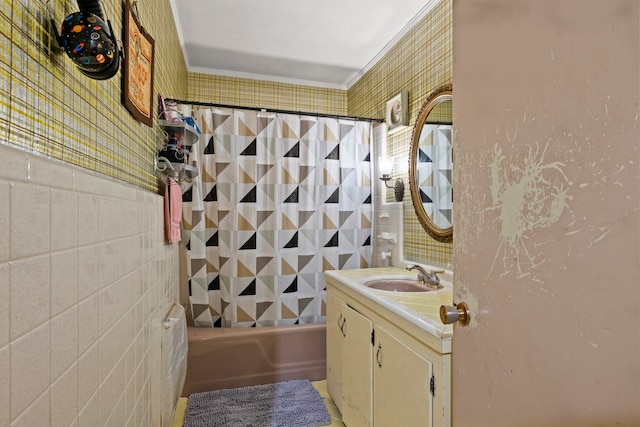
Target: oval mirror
431,164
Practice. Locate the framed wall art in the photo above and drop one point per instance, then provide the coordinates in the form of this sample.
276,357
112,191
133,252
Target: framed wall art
396,112
137,91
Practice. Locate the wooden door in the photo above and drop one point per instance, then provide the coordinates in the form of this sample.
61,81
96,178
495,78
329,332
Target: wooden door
547,222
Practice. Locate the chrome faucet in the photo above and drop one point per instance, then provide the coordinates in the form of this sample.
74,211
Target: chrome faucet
428,278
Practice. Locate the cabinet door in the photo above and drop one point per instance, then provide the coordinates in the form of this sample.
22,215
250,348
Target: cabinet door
335,340
402,377
357,381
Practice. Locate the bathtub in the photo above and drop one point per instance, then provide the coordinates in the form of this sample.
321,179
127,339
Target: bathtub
237,357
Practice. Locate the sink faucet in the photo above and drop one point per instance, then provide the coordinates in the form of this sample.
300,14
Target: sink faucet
427,277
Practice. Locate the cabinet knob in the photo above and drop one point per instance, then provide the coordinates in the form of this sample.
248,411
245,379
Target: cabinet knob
455,313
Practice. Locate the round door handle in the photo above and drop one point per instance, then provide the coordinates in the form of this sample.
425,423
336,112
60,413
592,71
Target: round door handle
455,313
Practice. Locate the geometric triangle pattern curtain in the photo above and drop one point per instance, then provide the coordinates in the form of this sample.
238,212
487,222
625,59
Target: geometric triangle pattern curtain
435,173
280,199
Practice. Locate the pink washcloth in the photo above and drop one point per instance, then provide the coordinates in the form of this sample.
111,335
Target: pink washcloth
172,210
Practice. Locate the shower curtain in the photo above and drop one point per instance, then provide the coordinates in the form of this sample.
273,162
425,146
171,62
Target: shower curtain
279,199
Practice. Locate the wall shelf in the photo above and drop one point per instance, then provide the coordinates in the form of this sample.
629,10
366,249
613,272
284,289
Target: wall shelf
188,134
182,172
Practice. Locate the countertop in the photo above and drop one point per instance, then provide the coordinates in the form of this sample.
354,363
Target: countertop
419,308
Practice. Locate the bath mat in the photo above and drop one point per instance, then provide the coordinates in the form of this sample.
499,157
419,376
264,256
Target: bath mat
294,403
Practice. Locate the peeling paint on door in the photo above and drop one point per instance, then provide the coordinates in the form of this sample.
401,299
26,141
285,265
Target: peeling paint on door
526,196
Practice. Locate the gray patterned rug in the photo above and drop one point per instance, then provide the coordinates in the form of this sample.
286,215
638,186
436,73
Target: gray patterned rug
293,403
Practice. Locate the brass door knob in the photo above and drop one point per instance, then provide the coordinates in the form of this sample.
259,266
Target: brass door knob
455,313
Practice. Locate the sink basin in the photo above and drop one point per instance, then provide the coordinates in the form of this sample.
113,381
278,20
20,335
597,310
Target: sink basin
397,285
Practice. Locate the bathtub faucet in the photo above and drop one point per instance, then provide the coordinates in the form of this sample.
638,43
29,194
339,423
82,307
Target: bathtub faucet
427,277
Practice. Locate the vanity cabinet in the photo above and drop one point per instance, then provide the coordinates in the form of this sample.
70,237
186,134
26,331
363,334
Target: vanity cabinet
402,380
349,361
383,371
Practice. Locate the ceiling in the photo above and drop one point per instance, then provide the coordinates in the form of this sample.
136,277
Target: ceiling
327,43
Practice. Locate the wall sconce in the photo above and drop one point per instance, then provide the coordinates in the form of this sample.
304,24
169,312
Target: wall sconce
385,164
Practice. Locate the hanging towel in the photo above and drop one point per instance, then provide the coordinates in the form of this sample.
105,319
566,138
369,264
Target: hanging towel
172,210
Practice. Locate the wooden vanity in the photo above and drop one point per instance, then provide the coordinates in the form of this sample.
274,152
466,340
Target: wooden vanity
388,353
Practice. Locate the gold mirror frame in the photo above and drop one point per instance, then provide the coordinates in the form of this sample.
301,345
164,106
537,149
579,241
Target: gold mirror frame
442,93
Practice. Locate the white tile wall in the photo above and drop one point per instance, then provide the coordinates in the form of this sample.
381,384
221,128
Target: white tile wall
387,217
64,219
30,219
5,231
4,305
64,280
30,359
64,397
85,277
5,374
30,289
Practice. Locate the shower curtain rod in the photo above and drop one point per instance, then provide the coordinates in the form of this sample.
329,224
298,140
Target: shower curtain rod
273,110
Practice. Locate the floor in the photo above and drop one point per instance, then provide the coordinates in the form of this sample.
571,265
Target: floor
321,386
336,417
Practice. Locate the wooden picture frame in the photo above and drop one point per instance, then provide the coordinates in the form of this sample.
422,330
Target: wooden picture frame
139,55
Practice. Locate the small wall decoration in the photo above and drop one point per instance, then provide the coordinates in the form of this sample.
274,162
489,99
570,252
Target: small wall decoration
397,112
88,39
137,90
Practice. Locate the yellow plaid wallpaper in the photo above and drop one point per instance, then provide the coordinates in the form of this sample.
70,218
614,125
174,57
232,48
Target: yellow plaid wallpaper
48,106
263,94
420,62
